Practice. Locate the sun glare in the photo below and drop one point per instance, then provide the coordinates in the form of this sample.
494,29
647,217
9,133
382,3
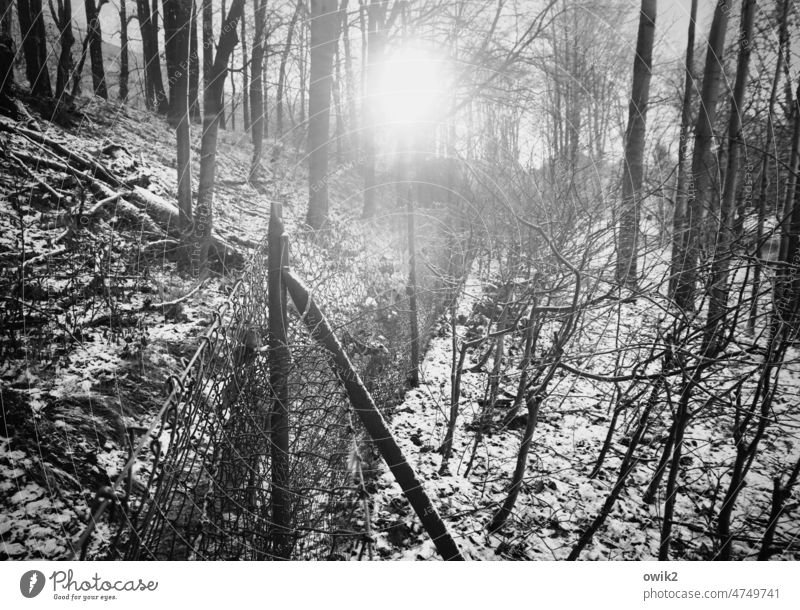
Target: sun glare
411,87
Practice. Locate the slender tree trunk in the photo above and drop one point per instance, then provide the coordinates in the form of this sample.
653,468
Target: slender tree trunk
787,289
685,180
177,23
208,41
349,89
154,84
221,110
194,69
34,46
212,111
532,402
257,86
324,33
627,250
63,20
7,52
279,99
761,202
123,52
77,74
95,34
780,495
376,43
704,163
245,77
718,303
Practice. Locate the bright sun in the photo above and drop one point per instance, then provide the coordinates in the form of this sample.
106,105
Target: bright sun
411,87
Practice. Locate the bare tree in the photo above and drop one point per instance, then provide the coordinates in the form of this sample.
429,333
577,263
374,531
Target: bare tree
704,161
177,22
123,52
212,110
324,25
155,98
718,303
287,47
94,34
257,85
633,168
34,46
679,229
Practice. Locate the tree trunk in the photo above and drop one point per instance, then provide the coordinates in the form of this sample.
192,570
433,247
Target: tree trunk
279,99
95,34
177,22
78,72
761,201
63,20
718,303
34,46
787,288
627,250
123,52
208,41
376,42
257,86
324,33
154,83
194,69
212,110
245,78
704,164
7,52
679,229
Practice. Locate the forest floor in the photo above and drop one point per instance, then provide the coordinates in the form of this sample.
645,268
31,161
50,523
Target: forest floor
87,345
558,498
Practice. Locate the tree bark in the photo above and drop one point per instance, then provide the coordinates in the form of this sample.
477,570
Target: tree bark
627,250
154,84
245,76
194,69
34,46
718,303
761,201
324,33
704,163
123,53
63,20
95,34
257,86
177,21
279,99
679,229
7,52
376,43
212,110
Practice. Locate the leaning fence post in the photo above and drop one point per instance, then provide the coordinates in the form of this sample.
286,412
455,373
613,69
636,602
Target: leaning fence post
278,379
372,419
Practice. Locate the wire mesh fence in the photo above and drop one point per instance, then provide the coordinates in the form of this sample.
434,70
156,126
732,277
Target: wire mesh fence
204,486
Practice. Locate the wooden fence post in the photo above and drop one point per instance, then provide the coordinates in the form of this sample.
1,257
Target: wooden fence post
279,362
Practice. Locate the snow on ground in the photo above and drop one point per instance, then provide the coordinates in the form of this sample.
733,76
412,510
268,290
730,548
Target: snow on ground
558,499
